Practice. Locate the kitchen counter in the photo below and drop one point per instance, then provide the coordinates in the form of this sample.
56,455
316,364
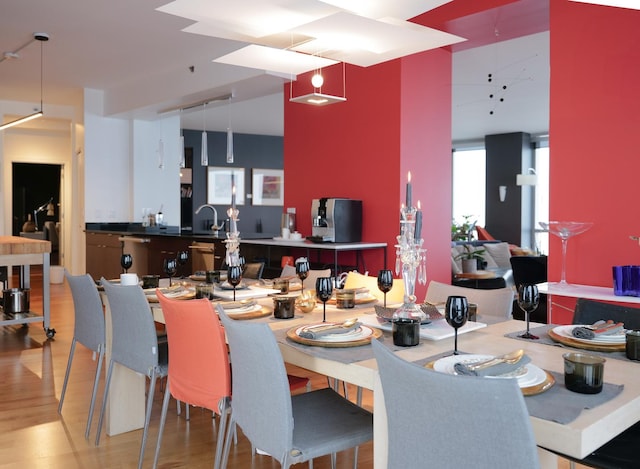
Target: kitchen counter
136,229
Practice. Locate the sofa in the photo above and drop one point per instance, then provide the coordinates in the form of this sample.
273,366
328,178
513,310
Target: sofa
496,257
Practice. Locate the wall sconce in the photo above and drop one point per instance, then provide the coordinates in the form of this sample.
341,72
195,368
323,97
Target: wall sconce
503,193
530,179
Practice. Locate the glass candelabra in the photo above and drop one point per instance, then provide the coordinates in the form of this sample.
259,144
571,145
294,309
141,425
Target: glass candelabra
233,238
411,261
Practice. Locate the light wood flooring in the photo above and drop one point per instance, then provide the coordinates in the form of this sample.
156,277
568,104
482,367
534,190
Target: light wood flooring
34,435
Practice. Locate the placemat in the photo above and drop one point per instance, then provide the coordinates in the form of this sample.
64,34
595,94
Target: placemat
342,355
557,404
543,333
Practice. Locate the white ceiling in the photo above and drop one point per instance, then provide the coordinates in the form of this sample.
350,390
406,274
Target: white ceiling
142,60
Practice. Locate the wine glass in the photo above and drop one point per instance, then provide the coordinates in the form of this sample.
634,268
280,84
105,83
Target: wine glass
126,261
302,270
183,257
385,282
234,276
565,230
528,300
456,313
324,288
170,267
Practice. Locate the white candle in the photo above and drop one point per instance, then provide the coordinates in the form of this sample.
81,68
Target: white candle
233,193
409,190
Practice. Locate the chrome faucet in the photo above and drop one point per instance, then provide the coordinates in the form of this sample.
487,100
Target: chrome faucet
215,226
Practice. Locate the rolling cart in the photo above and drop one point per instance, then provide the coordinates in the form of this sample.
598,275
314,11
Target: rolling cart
25,252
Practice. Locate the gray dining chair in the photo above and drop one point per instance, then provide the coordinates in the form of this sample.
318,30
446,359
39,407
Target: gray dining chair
453,421
88,330
134,344
589,311
292,429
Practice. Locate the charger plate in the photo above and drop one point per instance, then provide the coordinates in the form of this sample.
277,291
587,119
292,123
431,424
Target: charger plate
364,337
175,293
534,381
559,334
363,300
257,312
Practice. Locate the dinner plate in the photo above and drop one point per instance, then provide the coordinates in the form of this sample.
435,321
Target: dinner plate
360,336
361,299
243,309
533,376
567,331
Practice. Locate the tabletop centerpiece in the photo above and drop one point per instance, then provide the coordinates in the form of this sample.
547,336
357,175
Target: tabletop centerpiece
232,242
410,256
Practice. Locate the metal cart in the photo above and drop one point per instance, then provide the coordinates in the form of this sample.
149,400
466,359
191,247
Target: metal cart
25,252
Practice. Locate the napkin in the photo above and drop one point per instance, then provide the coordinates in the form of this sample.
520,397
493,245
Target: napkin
598,328
235,305
318,330
495,370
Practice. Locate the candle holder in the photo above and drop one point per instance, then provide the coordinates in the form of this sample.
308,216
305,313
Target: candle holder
411,261
232,242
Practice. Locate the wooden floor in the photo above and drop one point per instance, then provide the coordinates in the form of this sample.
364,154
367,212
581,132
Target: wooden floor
34,435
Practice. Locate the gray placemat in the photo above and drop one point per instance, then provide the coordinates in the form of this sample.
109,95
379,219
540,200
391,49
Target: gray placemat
558,404
543,333
339,354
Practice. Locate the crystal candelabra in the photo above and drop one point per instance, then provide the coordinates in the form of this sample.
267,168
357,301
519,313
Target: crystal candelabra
233,235
411,260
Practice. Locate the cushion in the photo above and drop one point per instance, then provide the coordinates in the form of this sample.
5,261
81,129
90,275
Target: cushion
500,253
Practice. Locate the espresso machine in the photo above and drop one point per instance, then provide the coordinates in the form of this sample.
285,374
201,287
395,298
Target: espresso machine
336,220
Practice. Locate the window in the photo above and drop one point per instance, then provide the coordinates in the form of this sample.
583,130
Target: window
468,185
541,212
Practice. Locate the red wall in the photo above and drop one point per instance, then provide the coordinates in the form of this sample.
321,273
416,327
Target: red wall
397,117
595,91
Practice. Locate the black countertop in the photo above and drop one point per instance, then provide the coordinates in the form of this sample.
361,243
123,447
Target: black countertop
136,229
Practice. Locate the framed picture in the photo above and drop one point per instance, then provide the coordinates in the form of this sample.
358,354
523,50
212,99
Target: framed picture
268,186
219,185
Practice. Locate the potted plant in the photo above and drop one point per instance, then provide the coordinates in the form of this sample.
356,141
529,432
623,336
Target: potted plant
470,258
463,231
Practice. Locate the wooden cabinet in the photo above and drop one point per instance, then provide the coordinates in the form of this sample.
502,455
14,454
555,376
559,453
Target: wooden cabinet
103,255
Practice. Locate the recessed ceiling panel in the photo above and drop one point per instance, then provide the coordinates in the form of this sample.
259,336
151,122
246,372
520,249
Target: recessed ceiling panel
275,60
377,9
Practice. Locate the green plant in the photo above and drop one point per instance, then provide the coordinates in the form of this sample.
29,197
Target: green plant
471,253
462,231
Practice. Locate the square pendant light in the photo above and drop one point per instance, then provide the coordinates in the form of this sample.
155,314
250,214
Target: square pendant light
318,99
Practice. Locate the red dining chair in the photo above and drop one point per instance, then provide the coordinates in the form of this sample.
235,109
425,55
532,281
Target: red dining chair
199,370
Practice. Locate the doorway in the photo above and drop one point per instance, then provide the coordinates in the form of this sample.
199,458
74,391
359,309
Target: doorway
36,198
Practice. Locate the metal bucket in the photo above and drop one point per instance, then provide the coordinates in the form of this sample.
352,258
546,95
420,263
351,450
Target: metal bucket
15,300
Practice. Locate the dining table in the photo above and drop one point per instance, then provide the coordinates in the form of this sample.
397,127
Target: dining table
584,432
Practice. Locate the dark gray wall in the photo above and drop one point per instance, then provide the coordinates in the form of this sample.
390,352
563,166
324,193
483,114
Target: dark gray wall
507,156
250,151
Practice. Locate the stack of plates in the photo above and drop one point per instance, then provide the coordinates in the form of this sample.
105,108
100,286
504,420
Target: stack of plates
606,343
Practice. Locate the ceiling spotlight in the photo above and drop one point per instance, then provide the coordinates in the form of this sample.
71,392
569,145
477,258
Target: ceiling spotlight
317,80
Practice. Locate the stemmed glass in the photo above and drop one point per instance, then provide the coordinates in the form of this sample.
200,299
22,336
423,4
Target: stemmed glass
565,230
234,276
302,270
170,267
528,300
385,282
126,261
183,257
456,312
324,289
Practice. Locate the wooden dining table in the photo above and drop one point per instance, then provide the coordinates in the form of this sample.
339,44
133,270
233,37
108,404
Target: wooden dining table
590,430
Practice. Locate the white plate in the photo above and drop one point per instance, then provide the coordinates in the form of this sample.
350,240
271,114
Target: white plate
567,331
243,309
534,375
357,334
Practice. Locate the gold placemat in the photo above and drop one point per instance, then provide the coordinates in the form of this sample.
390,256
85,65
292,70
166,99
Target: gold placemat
375,333
581,345
259,313
358,301
527,390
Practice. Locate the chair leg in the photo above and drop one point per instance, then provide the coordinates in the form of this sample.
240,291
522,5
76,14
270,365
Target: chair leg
163,418
66,375
95,390
223,407
231,428
104,400
147,417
